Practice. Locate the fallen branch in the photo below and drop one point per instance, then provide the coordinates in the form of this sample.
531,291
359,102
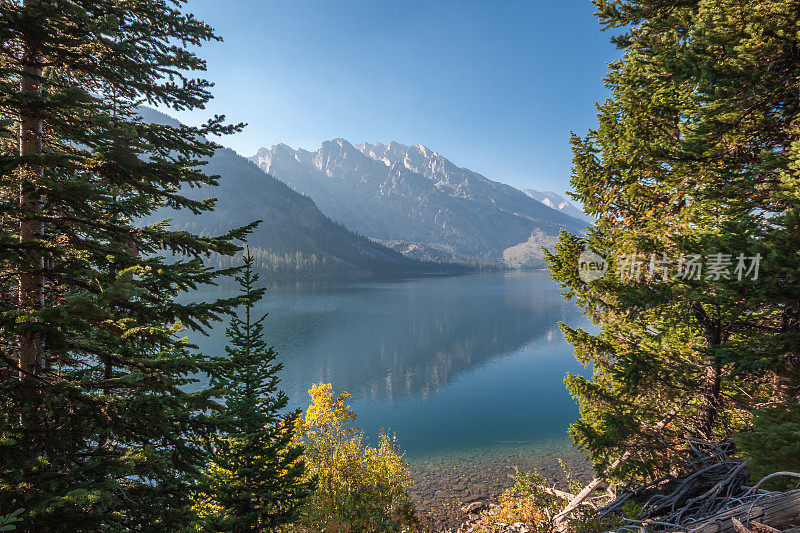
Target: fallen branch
552,491
755,527
713,502
583,494
562,517
775,510
771,476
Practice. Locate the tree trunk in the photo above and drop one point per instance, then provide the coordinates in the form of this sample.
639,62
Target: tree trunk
709,404
711,377
30,203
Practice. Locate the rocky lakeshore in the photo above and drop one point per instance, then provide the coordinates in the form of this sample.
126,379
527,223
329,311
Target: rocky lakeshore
714,493
448,489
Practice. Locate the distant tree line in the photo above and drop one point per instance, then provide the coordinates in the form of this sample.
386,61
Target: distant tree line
276,265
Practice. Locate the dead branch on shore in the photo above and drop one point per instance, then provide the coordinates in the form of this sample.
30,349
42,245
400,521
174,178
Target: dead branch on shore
576,502
711,498
707,499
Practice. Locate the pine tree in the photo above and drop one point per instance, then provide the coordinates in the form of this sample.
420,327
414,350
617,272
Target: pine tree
97,429
256,475
695,153
773,444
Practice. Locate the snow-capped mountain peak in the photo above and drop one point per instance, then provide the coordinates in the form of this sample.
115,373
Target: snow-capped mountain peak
411,194
557,202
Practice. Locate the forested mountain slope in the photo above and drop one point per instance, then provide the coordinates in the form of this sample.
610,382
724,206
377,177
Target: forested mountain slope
294,235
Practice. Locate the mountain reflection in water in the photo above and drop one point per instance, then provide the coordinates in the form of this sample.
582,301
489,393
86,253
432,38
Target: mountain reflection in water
397,345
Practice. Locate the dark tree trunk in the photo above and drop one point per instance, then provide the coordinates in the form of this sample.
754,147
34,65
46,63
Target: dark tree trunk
711,376
709,405
30,202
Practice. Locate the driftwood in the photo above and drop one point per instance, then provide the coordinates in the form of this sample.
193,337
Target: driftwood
713,499
563,516
715,480
752,527
774,475
775,511
552,491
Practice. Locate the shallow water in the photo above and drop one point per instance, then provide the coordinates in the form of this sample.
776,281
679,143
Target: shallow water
464,370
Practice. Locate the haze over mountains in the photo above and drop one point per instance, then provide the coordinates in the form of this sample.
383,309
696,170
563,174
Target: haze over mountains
294,236
372,208
557,202
421,204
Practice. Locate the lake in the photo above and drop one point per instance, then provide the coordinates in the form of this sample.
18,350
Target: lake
467,371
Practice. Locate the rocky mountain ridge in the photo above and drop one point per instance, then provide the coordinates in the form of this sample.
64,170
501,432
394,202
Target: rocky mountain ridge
419,203
294,237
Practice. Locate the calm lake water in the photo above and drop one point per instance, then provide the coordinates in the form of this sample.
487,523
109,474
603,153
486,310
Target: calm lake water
452,365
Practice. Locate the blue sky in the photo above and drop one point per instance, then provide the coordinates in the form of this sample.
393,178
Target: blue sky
495,86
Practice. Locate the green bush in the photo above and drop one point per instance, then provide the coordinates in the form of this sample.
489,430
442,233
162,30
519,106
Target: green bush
772,445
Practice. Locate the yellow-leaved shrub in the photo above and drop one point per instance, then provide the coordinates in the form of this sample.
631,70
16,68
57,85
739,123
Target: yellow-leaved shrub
359,487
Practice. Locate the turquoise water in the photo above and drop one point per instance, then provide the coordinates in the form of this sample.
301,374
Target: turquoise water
451,365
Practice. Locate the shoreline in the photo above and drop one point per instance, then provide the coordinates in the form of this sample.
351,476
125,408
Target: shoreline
445,483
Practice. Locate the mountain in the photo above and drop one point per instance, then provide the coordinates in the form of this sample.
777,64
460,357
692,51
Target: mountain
557,202
294,236
419,203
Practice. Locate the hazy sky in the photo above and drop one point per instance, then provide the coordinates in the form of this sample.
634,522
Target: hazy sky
495,86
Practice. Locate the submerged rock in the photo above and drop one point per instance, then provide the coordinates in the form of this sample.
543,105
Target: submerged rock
474,507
